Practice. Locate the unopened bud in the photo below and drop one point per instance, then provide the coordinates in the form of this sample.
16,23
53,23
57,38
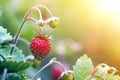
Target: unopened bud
53,22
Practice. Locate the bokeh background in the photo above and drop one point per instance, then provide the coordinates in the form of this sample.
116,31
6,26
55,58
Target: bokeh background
89,27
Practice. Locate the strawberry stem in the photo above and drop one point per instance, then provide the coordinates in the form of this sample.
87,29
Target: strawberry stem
17,36
41,30
90,76
4,74
24,41
3,57
32,19
26,17
53,60
46,9
40,15
99,77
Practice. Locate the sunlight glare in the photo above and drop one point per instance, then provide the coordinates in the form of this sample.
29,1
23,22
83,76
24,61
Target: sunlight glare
109,5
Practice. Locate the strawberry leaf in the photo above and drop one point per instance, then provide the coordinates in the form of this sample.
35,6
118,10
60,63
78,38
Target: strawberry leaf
15,62
13,76
105,72
113,77
4,36
17,53
83,67
14,66
16,76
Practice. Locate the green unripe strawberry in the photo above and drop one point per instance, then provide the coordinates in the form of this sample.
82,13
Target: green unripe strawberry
67,75
53,22
36,63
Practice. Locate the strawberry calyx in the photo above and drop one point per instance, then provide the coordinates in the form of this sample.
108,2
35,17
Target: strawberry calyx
43,36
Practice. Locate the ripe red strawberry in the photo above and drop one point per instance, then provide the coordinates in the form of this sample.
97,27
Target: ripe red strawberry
56,71
40,46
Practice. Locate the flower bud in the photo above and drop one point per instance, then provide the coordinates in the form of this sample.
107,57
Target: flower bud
68,75
53,22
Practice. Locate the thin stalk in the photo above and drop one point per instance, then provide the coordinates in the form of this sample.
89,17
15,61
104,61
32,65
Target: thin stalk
40,18
25,41
26,17
57,62
46,9
3,57
41,30
48,64
90,76
17,36
40,14
100,77
32,19
4,74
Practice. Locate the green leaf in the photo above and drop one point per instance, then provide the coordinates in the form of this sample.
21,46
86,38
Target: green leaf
113,77
105,72
17,53
14,76
13,63
82,68
14,66
4,36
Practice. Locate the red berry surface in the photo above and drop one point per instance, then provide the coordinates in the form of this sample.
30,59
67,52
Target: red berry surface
40,47
56,71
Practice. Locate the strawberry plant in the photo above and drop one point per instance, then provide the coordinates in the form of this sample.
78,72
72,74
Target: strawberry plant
13,62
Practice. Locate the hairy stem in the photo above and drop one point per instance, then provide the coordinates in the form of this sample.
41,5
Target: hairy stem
4,74
46,9
17,36
25,41
99,77
40,14
41,30
48,64
3,57
26,17
90,76
32,19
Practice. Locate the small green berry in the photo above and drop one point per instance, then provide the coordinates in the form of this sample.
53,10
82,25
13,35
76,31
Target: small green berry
36,63
67,75
53,22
